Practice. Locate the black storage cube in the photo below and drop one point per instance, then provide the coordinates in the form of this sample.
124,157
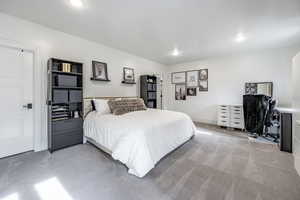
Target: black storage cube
60,96
67,81
75,96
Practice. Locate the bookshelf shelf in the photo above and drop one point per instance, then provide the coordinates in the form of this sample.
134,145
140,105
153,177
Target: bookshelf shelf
67,73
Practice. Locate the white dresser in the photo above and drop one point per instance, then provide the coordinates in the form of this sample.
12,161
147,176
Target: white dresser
231,116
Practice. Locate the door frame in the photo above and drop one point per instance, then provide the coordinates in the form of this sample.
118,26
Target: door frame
38,95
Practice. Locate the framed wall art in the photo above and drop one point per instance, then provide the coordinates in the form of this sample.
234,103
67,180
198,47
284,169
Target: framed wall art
180,92
191,91
178,77
192,78
99,71
203,80
128,75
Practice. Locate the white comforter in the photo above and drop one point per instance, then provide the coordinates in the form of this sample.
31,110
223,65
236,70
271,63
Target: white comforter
139,139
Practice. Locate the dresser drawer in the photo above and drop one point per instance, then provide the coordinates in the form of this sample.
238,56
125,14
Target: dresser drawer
239,125
237,107
237,119
235,124
224,108
224,114
66,125
223,122
236,113
223,118
67,139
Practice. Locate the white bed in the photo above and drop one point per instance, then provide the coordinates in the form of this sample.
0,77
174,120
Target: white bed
139,139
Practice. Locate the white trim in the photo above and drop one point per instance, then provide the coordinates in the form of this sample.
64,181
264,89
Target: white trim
38,95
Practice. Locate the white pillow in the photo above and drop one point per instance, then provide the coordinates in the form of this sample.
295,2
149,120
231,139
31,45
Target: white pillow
101,106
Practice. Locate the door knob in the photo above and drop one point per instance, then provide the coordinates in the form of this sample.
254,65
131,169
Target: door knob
28,106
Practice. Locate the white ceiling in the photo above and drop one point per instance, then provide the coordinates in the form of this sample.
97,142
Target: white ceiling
153,28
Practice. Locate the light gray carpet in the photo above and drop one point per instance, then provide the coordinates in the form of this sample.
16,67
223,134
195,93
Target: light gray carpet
216,164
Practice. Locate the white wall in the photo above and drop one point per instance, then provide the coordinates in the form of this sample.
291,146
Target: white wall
296,105
51,43
227,76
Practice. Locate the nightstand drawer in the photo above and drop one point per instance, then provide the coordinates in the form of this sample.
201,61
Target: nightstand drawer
66,125
67,139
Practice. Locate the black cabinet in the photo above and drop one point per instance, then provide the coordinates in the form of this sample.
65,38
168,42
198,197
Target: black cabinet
148,90
65,104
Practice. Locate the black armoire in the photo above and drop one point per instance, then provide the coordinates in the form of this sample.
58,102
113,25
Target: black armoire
255,111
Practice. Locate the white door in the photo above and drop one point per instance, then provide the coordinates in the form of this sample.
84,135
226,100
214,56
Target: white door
16,92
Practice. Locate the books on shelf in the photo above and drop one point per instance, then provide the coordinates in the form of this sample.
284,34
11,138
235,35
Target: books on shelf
151,95
60,112
66,67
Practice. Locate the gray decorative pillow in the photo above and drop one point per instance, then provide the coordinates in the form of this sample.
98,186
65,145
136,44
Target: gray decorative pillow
119,107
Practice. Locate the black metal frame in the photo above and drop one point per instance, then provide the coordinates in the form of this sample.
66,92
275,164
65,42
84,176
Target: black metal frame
186,78
94,78
203,90
176,85
191,88
261,83
124,79
176,73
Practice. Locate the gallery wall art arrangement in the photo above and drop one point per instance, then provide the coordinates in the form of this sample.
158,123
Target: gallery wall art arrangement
187,83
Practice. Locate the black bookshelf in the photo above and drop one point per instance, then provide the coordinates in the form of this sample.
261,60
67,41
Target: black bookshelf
65,103
148,90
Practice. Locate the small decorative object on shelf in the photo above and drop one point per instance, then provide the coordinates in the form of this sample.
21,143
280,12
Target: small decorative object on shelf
66,67
76,114
99,71
128,76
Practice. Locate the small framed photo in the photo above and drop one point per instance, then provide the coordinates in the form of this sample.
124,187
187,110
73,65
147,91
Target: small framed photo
178,77
128,75
251,88
192,78
180,92
191,92
203,80
99,71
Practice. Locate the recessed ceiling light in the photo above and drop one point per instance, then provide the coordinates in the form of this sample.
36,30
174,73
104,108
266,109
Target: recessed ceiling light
176,52
76,3
240,38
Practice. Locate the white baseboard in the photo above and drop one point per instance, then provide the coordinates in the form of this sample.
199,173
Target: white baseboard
205,121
